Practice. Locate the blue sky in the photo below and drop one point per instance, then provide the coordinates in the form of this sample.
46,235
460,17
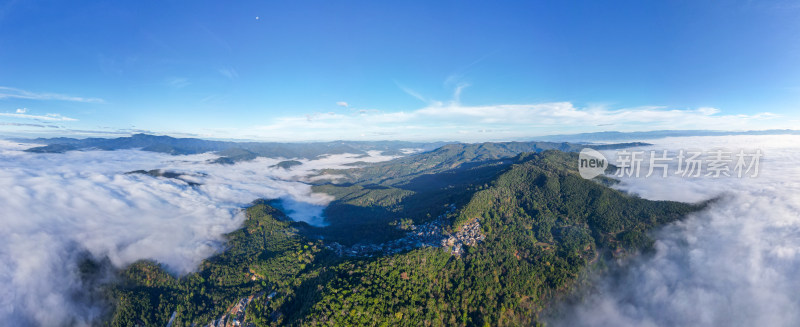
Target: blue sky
448,70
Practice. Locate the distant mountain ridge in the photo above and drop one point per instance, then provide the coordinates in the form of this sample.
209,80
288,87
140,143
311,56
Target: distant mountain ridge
232,152
451,156
229,152
638,136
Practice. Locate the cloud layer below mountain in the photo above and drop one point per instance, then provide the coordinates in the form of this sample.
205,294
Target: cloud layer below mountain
734,264
57,206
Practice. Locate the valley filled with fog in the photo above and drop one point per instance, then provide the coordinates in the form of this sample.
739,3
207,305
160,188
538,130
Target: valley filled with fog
732,264
400,163
60,207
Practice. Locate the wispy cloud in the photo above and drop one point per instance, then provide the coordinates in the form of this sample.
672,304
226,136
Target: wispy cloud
14,93
343,104
454,121
230,73
27,125
457,93
177,82
411,92
49,117
457,77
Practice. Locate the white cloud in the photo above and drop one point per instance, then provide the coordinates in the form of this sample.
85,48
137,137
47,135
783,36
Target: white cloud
14,93
28,125
457,92
22,110
56,206
507,122
48,117
733,264
342,104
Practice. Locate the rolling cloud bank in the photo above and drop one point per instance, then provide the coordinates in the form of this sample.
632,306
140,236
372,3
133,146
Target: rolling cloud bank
734,264
59,207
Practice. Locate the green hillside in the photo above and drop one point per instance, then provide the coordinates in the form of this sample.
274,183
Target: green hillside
540,225
452,156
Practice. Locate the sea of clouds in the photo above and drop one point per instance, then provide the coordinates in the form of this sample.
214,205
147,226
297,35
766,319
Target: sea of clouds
56,208
735,263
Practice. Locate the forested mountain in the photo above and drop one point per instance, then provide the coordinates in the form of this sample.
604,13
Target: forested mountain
496,241
229,152
452,156
371,200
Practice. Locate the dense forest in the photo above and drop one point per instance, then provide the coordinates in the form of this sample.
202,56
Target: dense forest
541,225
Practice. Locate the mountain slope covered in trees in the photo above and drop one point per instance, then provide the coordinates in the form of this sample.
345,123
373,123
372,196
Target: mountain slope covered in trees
541,223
